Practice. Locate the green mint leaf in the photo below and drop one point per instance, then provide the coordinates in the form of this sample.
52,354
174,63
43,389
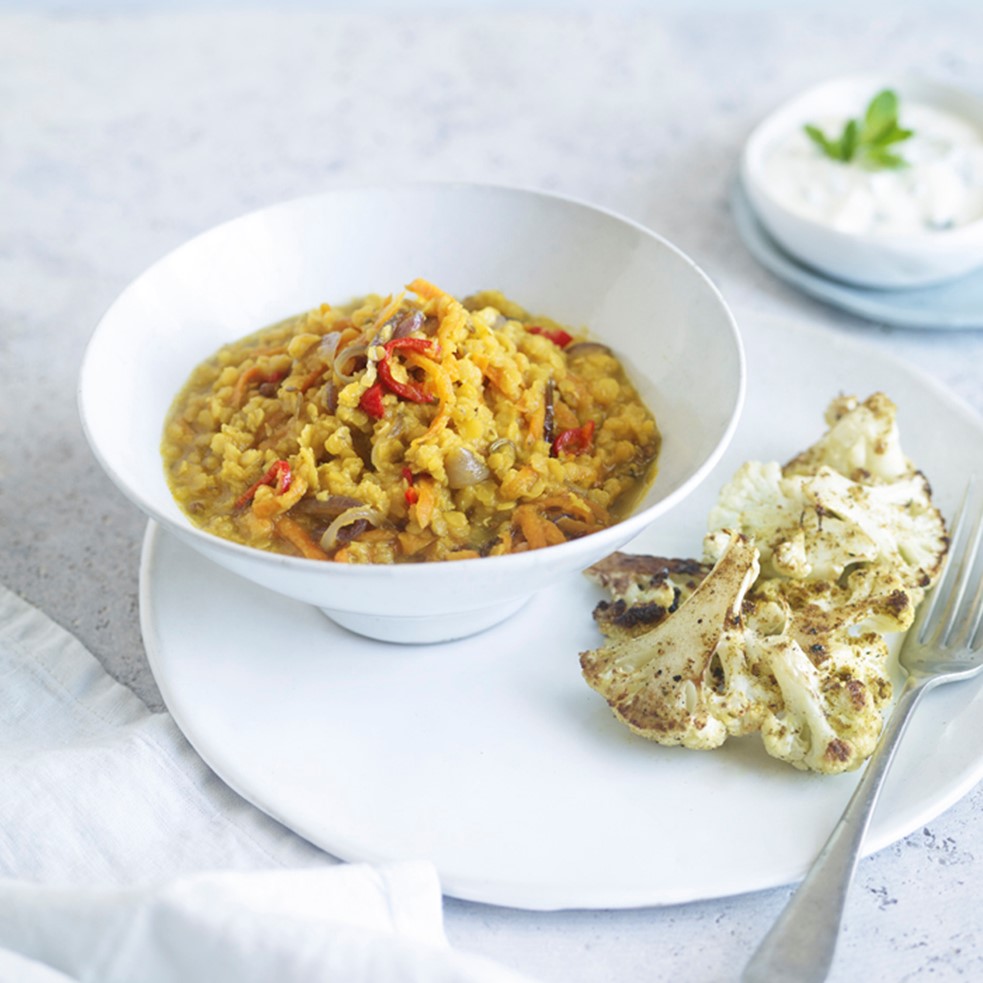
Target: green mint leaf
849,141
865,142
895,135
876,158
820,139
881,116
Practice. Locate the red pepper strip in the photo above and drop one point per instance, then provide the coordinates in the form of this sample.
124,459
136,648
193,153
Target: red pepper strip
412,344
411,391
371,402
558,337
411,495
279,475
576,440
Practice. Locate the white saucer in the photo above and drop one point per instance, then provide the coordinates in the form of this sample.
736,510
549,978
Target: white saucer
492,758
956,304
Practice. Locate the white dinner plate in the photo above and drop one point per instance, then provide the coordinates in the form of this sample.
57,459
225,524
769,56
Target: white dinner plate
954,305
492,758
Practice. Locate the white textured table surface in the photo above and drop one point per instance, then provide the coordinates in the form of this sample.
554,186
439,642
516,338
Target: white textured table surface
125,133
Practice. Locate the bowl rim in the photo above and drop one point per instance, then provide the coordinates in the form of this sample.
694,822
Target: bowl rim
618,533
936,93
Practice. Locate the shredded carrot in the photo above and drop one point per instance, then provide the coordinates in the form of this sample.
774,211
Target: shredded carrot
427,501
342,556
531,526
295,534
425,289
601,514
441,385
565,417
451,314
537,420
568,502
537,529
575,527
554,535
412,543
462,555
245,380
502,381
387,310
266,506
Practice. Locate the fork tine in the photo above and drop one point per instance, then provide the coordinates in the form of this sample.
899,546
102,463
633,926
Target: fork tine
966,534
973,617
925,618
974,624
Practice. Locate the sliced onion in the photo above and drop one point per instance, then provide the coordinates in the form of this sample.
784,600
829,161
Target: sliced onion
364,513
327,508
548,411
407,323
464,468
328,345
343,357
501,444
352,531
329,397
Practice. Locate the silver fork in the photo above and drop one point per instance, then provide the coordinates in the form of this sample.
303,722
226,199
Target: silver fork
944,644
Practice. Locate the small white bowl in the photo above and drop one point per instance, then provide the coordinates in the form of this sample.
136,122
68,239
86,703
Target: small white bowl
580,265
868,260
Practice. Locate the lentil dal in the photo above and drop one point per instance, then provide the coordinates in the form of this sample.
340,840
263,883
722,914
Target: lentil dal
406,428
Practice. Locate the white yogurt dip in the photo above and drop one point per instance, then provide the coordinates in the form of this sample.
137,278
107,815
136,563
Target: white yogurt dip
940,188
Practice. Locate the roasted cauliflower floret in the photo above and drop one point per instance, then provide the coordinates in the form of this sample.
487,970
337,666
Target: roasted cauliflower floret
813,527
898,518
781,629
662,684
862,442
867,599
643,589
782,659
829,719
796,535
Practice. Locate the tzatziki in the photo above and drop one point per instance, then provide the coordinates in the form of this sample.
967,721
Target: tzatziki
939,187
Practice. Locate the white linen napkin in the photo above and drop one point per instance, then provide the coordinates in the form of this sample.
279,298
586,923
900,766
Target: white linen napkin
123,857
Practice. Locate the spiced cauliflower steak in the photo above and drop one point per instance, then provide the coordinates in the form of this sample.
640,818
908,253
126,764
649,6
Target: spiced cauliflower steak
781,627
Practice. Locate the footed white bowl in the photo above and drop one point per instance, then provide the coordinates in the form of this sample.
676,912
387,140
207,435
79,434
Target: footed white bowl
581,265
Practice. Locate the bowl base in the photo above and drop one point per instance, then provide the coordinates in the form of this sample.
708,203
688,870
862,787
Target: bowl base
422,630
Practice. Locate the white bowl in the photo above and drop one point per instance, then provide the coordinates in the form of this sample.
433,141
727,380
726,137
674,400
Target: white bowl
582,266
868,260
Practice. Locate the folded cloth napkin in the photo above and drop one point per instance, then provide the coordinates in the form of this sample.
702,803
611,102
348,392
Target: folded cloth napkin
124,858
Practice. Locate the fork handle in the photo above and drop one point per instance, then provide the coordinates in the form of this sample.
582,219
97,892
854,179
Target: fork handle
799,947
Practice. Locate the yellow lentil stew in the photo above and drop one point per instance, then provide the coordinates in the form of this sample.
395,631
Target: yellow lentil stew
406,428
